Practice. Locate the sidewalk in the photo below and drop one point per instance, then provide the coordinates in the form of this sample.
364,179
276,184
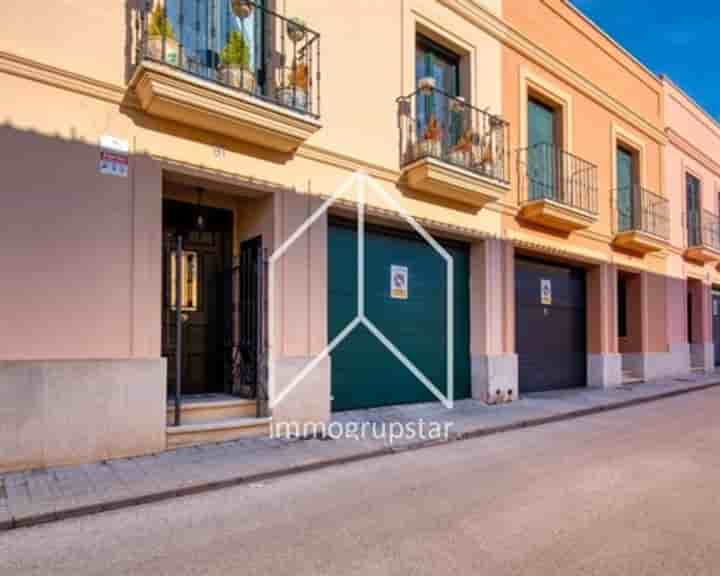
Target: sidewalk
38,496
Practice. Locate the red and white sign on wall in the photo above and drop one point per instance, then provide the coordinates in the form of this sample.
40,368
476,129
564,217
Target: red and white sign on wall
114,154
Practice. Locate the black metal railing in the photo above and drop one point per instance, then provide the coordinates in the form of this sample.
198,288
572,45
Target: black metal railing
546,172
638,209
434,124
238,44
703,229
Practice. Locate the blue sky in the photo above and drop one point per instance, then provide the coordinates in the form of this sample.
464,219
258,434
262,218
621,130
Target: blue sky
679,39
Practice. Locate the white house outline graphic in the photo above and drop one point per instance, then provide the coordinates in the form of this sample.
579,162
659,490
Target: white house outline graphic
362,181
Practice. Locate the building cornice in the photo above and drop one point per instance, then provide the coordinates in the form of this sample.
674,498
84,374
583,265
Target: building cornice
677,140
494,26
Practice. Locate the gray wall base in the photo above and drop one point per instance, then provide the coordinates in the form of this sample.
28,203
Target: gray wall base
495,377
309,401
703,356
659,364
67,412
604,370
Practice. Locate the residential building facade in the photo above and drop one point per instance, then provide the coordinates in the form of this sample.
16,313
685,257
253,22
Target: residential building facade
180,213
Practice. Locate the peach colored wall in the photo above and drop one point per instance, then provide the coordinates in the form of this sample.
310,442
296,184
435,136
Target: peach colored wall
368,61
591,133
655,297
602,310
561,30
88,38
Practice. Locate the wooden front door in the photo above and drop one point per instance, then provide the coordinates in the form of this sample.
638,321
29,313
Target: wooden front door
206,298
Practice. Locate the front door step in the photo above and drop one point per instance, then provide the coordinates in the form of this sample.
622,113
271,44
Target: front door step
211,408
219,431
629,378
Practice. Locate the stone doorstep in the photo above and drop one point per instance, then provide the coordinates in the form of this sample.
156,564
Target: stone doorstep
216,431
42,512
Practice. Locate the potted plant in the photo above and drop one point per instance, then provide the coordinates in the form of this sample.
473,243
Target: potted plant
431,142
235,63
426,84
457,105
295,92
487,155
242,8
160,33
461,153
296,29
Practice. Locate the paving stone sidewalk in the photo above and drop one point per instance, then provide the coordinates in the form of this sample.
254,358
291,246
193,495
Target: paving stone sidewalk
37,496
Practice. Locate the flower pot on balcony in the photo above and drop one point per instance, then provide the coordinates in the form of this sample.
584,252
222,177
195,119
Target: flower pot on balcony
426,85
296,29
172,49
293,97
242,8
457,105
459,157
428,148
238,77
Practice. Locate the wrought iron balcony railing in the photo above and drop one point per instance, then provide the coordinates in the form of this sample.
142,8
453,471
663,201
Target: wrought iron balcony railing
637,209
239,44
547,172
703,229
434,124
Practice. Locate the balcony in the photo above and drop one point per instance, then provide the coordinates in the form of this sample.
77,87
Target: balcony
242,71
558,190
451,150
642,220
703,236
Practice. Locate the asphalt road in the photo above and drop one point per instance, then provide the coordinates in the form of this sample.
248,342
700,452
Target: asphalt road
631,492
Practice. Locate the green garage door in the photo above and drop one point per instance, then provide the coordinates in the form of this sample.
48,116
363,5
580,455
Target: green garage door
364,372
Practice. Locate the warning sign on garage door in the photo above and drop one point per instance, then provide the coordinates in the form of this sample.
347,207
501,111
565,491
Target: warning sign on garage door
545,292
398,282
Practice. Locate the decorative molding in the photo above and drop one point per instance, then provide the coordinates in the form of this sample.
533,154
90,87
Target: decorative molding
691,106
59,78
689,149
620,134
531,82
491,24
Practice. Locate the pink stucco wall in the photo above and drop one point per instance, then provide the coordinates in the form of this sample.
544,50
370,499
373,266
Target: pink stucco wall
694,146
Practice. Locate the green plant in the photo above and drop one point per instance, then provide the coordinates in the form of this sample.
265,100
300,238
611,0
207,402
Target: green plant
159,24
236,51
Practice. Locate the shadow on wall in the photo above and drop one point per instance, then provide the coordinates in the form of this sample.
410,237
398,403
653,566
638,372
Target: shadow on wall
73,241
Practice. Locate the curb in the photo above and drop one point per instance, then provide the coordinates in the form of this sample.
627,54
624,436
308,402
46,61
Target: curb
160,496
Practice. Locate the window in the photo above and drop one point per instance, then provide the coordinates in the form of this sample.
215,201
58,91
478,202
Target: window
432,60
434,111
626,179
204,28
189,295
692,188
542,142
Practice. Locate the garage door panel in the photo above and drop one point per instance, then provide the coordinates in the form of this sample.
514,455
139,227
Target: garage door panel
550,337
364,372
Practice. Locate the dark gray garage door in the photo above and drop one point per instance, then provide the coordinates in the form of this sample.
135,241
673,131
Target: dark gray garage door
550,326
